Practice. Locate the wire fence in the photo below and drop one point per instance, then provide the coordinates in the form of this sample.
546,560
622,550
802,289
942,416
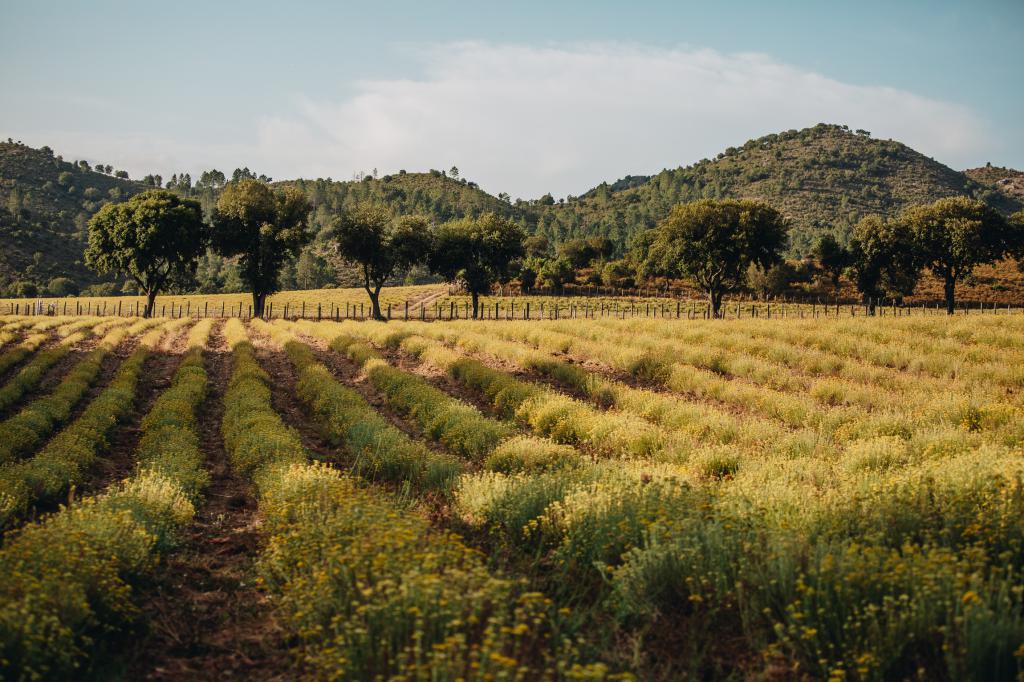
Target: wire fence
524,308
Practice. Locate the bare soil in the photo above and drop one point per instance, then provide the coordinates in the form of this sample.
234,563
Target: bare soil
157,372
206,616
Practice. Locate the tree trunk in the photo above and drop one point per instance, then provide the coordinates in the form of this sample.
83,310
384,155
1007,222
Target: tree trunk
476,303
150,303
715,300
374,295
949,288
258,300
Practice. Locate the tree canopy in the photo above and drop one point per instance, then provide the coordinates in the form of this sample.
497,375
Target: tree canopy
477,252
952,236
882,258
380,245
714,242
264,228
832,257
155,238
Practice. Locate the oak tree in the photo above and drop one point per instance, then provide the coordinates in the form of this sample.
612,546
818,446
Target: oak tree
380,246
953,236
155,238
714,242
263,227
477,252
883,259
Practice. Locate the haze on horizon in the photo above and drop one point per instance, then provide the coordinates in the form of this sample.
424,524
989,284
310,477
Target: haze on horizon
523,98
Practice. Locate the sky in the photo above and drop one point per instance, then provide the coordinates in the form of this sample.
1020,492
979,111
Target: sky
523,97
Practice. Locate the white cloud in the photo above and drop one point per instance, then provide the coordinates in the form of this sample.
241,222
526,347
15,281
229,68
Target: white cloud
527,120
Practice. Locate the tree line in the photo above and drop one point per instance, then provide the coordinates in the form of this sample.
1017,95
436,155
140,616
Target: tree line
157,239
717,244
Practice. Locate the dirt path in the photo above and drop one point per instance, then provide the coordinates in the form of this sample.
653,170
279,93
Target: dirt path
207,618
427,299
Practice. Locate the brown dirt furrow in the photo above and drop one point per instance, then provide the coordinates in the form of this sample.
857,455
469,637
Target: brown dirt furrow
205,616
7,374
157,373
60,368
345,371
52,376
287,404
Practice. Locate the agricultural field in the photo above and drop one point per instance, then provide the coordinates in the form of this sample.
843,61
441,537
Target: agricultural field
584,498
352,300
441,302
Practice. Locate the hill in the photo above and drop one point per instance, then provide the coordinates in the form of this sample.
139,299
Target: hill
1006,180
47,203
824,178
433,194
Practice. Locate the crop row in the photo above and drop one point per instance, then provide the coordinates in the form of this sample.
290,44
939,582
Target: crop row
39,418
31,374
839,558
702,421
906,413
369,587
27,346
69,579
377,451
67,457
460,427
917,347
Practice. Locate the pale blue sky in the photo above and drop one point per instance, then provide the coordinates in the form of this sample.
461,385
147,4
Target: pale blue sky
524,97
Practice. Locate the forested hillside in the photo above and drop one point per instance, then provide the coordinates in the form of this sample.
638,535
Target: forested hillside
823,178
47,203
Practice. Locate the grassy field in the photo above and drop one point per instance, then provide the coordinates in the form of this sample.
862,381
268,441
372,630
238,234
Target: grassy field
589,498
440,302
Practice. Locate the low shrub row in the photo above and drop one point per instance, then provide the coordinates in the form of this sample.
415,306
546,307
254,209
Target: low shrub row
370,589
39,418
30,344
548,412
64,460
69,579
459,426
31,374
377,450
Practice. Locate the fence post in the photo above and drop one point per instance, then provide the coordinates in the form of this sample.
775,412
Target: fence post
407,311
318,312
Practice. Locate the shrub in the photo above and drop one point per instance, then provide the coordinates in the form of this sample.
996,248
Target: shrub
62,286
